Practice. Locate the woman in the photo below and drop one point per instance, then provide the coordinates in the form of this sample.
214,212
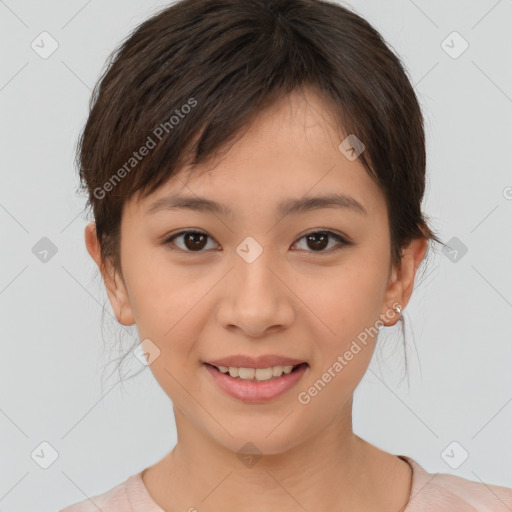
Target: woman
256,171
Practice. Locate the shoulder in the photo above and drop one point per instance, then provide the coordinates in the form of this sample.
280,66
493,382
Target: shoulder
113,500
445,492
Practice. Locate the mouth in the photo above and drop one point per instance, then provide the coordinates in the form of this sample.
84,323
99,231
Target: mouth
267,374
256,384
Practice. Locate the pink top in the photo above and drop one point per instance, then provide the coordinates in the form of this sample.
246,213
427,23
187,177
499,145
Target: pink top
441,492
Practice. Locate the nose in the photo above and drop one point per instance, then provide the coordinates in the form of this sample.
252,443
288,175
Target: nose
256,298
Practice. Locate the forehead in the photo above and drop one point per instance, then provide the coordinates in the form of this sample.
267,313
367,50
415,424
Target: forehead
289,151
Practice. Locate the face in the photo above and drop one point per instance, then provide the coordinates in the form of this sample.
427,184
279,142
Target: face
309,284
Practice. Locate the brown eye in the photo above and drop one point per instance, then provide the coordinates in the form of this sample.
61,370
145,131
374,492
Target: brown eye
317,241
193,241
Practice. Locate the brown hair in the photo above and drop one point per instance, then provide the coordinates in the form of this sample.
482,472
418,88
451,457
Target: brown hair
188,80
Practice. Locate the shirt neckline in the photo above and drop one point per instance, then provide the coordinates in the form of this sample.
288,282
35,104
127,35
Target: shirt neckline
141,501
420,478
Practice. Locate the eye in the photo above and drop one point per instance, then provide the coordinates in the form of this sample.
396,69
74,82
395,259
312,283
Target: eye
318,240
195,241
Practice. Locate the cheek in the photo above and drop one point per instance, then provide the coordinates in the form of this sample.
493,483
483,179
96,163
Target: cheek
345,328
343,301
168,302
161,293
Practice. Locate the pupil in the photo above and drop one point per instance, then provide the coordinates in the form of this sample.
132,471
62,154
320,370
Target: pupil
195,244
324,237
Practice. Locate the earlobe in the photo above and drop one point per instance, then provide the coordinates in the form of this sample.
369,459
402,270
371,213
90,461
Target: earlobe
119,299
401,283
116,289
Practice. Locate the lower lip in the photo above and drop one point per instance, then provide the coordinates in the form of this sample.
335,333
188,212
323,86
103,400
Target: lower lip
262,391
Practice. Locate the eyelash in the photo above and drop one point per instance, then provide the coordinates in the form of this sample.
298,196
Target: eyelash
343,242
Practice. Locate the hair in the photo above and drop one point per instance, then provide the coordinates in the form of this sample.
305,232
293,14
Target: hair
187,81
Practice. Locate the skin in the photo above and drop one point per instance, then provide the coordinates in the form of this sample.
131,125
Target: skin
293,300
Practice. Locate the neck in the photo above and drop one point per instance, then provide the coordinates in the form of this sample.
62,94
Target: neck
335,470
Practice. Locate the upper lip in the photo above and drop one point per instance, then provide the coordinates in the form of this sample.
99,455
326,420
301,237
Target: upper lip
241,361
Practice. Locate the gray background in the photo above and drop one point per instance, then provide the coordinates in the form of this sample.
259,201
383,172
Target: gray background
53,356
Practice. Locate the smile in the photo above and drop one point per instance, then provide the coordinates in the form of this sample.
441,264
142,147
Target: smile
256,374
256,384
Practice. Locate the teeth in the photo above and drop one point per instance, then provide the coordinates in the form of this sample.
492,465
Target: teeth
277,371
246,373
263,373
260,374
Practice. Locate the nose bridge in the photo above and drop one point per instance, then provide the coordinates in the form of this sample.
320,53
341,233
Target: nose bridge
253,268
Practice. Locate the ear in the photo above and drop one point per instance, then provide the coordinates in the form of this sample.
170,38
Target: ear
116,288
401,281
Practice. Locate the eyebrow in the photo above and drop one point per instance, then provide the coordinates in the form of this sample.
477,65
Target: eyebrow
286,207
